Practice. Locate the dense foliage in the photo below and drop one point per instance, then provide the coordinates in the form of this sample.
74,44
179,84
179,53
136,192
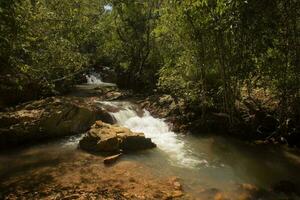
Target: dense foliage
43,42
212,53
222,46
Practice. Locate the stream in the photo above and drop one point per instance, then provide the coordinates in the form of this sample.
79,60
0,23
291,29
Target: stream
203,161
212,160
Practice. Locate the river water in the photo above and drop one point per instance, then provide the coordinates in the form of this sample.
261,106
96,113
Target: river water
206,160
210,160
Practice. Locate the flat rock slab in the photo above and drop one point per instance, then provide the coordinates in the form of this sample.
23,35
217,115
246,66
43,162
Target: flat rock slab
52,117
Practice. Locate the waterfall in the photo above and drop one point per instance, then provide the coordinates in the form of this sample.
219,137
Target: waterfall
94,79
158,130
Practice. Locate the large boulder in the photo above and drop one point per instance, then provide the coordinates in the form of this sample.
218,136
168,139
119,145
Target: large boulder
49,118
104,137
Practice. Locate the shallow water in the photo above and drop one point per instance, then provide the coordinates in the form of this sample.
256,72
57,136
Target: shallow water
209,161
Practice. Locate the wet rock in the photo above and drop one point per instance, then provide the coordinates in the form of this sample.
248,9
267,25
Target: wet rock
177,186
49,118
220,196
103,137
209,193
163,106
113,95
8,119
112,159
177,194
174,181
166,100
145,104
70,120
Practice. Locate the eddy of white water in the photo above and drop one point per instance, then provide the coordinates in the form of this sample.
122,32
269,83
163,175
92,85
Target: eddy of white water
160,133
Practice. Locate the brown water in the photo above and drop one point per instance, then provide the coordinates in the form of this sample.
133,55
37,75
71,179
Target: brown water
209,161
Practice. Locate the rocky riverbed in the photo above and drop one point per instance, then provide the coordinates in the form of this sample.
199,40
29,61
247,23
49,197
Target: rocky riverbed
65,173
84,176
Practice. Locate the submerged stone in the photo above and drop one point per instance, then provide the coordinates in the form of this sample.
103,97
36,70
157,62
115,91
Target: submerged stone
111,159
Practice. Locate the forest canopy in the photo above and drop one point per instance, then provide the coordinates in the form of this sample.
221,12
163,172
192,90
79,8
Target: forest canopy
211,53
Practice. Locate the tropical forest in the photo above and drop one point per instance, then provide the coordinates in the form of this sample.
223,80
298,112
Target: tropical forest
149,99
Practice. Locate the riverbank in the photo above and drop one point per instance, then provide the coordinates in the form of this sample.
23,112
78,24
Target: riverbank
253,122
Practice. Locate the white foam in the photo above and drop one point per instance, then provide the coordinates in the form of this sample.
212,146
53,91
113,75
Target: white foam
95,79
160,133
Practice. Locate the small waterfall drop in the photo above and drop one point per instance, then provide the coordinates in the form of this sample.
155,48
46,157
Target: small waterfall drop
160,133
94,79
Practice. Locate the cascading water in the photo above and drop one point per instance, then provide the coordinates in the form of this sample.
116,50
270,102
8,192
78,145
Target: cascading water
95,79
158,131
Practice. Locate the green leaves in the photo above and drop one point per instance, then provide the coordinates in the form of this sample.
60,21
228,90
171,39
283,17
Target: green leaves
132,41
42,41
219,45
202,50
